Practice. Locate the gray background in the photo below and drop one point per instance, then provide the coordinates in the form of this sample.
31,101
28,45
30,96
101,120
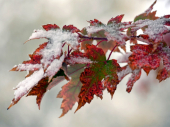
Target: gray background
147,105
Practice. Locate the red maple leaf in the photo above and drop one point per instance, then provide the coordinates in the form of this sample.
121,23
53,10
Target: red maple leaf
143,57
92,76
71,90
89,71
39,90
71,28
50,26
117,19
95,22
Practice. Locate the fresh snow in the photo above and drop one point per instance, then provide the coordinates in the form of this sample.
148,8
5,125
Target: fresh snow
54,47
113,31
28,67
123,73
155,28
55,66
57,36
79,60
24,86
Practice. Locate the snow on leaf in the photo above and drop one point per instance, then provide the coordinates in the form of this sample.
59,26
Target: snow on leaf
134,77
57,36
54,67
46,61
95,22
39,90
132,35
78,60
143,57
117,19
150,8
164,73
24,86
113,31
25,67
155,29
77,57
125,71
34,63
147,14
92,76
105,45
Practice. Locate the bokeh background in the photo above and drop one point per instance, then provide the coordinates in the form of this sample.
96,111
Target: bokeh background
148,105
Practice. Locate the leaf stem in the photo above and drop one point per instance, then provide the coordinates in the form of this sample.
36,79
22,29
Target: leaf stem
99,42
111,52
63,44
68,52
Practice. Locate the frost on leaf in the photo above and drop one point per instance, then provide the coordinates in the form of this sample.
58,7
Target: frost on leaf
41,88
113,30
46,60
24,86
88,72
143,57
147,14
164,73
151,25
92,76
134,77
153,28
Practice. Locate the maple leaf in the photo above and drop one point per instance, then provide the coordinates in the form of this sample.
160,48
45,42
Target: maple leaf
134,77
92,76
89,70
147,14
71,28
143,57
71,90
153,30
152,26
40,89
164,52
47,60
163,74
113,30
77,57
34,63
50,27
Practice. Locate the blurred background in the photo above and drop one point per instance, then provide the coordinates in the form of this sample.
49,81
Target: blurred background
148,105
